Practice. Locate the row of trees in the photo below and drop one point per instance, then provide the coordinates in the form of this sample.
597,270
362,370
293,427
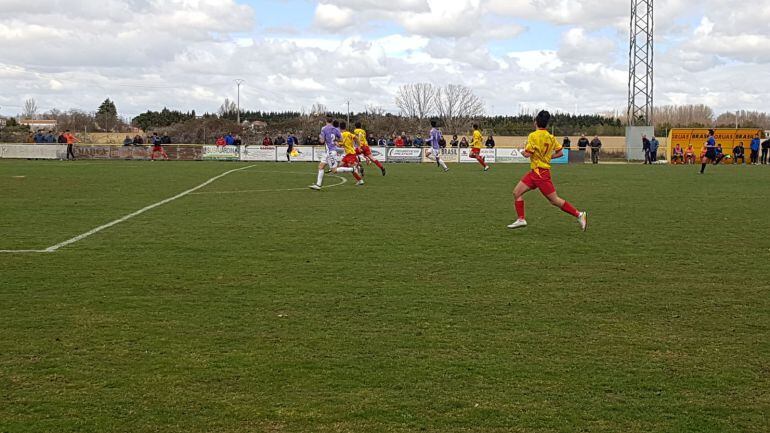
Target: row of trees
104,119
455,105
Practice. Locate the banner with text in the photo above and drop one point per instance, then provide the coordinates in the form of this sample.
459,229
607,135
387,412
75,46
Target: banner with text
488,154
221,153
404,154
33,151
301,153
451,154
259,153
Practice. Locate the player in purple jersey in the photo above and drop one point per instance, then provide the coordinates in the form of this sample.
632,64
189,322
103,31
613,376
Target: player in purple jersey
330,135
434,153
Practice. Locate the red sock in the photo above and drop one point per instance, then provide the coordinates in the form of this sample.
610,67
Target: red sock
480,159
520,209
377,163
570,209
355,175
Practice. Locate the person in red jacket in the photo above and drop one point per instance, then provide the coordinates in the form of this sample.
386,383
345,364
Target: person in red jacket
267,141
71,140
220,142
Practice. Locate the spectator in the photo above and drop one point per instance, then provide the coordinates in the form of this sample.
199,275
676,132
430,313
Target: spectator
390,142
566,143
408,141
596,147
50,138
490,143
677,157
38,138
62,139
70,140
582,142
229,139
267,141
418,142
279,141
128,141
464,143
138,140
739,152
646,149
399,141
689,155
442,142
221,142
654,145
765,150
237,140
165,139
382,142
755,150
454,142
720,154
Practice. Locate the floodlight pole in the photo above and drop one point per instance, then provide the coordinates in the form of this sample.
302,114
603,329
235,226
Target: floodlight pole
238,83
348,111
640,70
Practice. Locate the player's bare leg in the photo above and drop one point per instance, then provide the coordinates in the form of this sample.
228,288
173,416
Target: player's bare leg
565,206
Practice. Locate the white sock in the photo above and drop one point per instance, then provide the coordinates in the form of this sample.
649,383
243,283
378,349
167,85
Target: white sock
320,179
345,170
441,162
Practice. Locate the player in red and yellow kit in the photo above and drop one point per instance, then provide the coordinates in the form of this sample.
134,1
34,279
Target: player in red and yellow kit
350,160
541,148
476,147
364,149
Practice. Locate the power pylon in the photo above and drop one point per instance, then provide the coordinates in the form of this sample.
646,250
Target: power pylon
640,70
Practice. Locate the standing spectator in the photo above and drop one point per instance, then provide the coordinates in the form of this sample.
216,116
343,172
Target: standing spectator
755,150
765,150
267,141
70,140
490,143
382,142
399,141
62,139
739,152
408,141
138,140
165,139
582,142
279,141
418,142
128,141
646,149
454,142
50,138
464,143
596,147
221,142
654,145
566,143
677,156
237,140
229,139
38,138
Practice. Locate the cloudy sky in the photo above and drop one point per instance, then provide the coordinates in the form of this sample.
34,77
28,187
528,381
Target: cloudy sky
568,55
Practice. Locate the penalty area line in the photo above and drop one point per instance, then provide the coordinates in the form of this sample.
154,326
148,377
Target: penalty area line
54,248
245,191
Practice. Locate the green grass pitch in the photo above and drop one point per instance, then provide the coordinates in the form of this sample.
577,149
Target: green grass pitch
402,306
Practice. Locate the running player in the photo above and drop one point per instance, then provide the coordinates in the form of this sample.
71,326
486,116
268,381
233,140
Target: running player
434,153
157,146
350,162
476,147
329,136
711,152
541,147
364,149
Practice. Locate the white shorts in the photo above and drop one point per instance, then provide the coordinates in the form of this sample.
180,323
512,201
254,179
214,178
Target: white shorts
331,159
436,153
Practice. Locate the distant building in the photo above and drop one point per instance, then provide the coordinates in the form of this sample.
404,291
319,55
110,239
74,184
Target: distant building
257,124
3,122
36,124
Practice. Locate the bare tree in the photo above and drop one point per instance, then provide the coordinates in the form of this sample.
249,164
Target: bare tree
228,108
684,115
30,109
417,100
318,109
457,105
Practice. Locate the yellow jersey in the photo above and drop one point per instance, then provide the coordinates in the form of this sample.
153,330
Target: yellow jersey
361,135
477,139
542,145
348,142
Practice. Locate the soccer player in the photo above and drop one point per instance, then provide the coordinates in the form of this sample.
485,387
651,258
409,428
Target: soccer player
476,147
290,143
329,136
364,149
710,154
350,162
541,147
157,146
434,153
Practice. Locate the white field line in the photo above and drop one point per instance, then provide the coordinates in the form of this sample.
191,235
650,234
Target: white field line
78,238
244,191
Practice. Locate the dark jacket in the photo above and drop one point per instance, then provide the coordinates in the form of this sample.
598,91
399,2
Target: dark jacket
596,144
582,143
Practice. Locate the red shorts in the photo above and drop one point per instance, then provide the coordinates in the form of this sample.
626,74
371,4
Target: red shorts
475,152
541,181
364,150
157,148
350,160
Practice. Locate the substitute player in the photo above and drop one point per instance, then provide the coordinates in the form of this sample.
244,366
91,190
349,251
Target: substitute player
434,153
476,147
364,149
541,147
329,136
710,155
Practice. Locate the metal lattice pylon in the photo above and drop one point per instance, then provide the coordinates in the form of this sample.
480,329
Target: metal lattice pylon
640,70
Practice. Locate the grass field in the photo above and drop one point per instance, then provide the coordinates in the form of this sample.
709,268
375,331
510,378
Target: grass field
402,306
